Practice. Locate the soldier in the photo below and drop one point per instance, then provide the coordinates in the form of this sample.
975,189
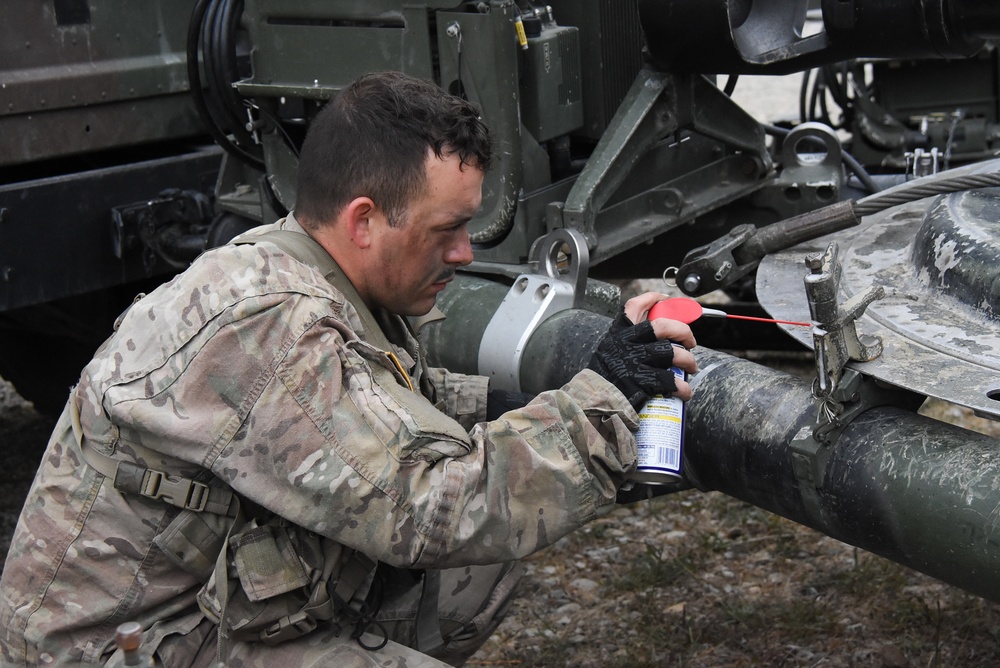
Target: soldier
258,466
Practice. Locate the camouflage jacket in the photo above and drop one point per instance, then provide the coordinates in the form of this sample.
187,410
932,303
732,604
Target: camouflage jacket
251,365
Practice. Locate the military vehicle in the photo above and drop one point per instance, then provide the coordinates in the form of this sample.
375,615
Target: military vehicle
136,135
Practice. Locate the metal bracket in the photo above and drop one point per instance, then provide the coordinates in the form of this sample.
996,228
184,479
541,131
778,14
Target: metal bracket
811,445
921,163
835,336
564,259
729,258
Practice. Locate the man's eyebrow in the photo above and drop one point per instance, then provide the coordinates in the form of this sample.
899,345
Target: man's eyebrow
452,221
463,215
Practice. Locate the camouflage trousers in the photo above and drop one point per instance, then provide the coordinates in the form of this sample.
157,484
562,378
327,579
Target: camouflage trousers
472,602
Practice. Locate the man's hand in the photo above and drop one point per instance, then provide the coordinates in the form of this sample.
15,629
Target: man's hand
637,310
637,357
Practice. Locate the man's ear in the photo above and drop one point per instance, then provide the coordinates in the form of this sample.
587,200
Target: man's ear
358,216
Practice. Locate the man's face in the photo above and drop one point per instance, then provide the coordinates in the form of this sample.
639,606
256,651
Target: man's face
411,263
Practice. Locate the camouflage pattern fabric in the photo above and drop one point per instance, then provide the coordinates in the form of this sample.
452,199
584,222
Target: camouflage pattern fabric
253,367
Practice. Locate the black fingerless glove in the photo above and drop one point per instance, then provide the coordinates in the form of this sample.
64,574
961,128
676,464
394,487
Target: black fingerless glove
631,357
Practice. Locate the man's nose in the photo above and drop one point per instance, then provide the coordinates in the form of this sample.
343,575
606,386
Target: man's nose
461,252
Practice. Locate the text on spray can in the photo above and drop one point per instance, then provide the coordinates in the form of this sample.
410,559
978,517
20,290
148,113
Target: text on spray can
660,438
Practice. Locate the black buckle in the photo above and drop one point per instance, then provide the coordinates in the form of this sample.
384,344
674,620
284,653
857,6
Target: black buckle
288,627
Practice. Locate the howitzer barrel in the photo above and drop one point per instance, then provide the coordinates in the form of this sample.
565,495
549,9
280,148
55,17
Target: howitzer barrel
917,491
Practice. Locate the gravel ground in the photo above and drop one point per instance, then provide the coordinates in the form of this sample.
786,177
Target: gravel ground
703,580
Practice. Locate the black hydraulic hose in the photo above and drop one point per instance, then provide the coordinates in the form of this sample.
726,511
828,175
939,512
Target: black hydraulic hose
224,71
205,90
859,171
731,84
207,66
210,56
198,92
837,83
219,85
804,95
825,117
817,91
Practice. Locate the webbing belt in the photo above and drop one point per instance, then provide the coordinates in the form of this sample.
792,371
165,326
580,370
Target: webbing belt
175,490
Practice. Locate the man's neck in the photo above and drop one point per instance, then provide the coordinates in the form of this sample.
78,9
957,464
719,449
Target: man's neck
327,236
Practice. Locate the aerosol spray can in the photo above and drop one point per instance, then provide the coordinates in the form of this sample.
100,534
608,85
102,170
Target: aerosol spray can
661,439
661,428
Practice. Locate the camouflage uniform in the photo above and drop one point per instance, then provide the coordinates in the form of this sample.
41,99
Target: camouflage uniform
251,366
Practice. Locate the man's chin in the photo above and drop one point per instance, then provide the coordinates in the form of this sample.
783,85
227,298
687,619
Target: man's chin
418,308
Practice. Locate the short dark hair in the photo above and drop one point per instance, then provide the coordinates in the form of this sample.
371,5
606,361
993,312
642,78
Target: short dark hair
372,141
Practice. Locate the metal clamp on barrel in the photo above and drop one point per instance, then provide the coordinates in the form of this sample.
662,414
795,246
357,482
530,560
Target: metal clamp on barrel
835,342
841,393
530,301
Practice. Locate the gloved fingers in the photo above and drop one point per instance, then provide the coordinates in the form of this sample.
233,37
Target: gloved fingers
655,380
674,330
637,310
659,356
638,307
620,323
643,333
638,360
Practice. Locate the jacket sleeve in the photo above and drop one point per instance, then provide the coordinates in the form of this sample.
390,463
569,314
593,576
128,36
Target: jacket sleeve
462,397
332,445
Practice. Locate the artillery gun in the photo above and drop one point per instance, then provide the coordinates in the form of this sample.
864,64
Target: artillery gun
621,154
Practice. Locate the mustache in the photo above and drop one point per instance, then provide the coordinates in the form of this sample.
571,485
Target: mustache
445,275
